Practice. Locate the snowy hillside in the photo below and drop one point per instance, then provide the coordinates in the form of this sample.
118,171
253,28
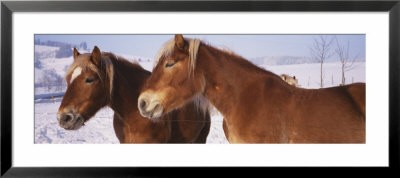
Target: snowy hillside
45,51
50,71
281,60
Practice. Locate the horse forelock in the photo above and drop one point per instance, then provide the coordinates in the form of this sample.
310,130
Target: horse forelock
166,51
168,48
109,69
106,63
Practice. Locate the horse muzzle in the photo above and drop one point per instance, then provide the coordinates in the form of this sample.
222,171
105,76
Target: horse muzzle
150,106
70,120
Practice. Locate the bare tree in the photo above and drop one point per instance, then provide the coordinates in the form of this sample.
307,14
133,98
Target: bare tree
320,51
342,51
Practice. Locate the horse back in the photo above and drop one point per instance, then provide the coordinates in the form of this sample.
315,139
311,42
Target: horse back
330,115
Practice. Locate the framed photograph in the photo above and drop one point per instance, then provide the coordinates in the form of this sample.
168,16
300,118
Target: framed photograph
66,67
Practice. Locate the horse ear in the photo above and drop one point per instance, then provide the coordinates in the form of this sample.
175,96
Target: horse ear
179,41
294,77
96,56
76,53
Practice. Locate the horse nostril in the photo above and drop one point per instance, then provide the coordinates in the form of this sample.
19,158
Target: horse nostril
67,118
143,104
157,107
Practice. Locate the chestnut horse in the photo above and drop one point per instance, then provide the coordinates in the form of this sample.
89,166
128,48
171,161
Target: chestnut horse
100,79
257,105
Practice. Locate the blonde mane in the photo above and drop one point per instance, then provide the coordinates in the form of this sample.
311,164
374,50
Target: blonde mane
167,51
168,48
88,65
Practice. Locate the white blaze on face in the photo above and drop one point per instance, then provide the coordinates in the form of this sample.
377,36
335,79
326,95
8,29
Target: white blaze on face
75,74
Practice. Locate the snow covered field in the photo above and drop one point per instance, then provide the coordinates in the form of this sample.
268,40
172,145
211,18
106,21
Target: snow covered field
99,129
308,75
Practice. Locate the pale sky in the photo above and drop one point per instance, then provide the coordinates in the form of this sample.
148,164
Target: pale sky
248,46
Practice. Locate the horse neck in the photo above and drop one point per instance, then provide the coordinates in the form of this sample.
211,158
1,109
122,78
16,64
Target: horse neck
128,79
229,78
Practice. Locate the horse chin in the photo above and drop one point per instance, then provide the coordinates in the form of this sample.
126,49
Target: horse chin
77,124
154,116
155,119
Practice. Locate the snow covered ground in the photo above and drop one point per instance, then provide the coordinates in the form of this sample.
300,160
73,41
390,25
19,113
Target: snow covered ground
98,129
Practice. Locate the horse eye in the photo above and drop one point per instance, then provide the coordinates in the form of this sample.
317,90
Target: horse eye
89,80
169,64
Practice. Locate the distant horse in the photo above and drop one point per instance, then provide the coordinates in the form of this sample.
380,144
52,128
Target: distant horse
258,106
100,79
290,80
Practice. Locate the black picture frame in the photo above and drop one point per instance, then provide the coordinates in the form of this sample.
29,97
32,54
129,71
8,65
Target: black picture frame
8,7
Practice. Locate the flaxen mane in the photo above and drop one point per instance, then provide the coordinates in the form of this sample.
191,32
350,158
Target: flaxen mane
106,63
167,50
